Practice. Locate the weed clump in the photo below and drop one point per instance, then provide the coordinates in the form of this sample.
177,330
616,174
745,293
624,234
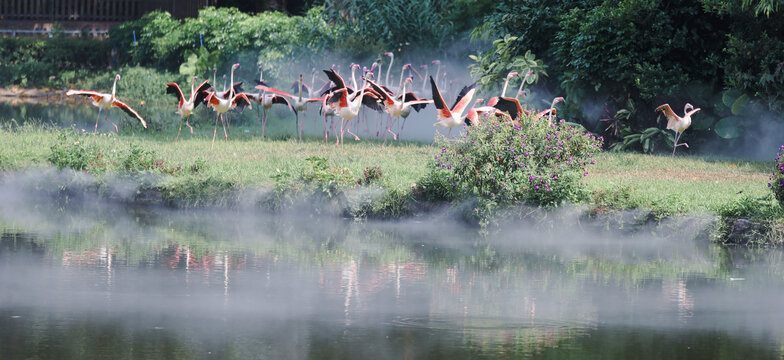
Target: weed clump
776,183
503,162
76,154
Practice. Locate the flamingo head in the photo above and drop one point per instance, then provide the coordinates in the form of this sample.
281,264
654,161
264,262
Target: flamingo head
369,75
557,100
194,78
688,107
214,69
224,76
235,66
423,66
354,66
521,93
313,70
117,77
479,101
406,66
409,79
390,54
436,62
372,68
529,73
511,74
378,60
333,67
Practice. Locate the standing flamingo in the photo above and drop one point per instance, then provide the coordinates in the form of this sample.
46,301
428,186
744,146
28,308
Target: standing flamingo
301,103
348,106
677,123
186,107
450,118
106,101
266,98
221,105
395,105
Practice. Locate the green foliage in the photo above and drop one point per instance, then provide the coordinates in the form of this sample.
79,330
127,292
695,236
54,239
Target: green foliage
328,178
776,183
199,62
136,85
492,66
647,140
42,61
372,26
73,152
501,163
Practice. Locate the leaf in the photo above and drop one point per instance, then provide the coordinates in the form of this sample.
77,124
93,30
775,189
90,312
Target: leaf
729,127
729,97
740,104
702,122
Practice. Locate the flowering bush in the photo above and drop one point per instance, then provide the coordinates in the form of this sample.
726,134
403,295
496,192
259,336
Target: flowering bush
776,183
506,162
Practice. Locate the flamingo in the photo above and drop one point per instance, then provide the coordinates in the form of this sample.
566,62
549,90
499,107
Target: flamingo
221,105
106,101
424,82
301,103
450,118
520,90
186,107
472,118
395,105
552,108
677,123
266,98
347,105
508,76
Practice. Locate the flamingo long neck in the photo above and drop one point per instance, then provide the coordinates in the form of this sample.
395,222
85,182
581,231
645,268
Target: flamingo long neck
300,87
391,60
114,87
312,83
357,103
231,83
193,86
353,79
438,70
503,92
400,82
521,85
424,81
214,80
261,74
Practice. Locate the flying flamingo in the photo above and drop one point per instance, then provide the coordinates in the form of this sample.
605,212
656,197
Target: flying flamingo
186,107
301,103
221,105
106,101
677,123
507,104
450,118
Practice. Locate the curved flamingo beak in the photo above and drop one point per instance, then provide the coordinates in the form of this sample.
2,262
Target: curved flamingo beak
235,66
529,73
558,99
511,74
388,53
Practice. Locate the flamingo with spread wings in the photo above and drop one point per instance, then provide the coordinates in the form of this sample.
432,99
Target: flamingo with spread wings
185,107
106,101
677,123
449,118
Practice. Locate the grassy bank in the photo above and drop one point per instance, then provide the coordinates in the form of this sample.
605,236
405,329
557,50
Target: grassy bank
190,173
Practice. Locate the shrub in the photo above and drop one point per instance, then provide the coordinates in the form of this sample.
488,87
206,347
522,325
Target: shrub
502,162
74,153
776,183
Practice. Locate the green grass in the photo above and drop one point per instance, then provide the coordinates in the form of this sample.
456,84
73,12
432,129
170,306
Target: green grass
661,184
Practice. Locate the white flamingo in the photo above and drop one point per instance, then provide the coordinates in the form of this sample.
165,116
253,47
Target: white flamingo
677,123
105,101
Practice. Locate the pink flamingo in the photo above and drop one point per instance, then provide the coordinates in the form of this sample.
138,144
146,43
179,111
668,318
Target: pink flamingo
186,107
106,101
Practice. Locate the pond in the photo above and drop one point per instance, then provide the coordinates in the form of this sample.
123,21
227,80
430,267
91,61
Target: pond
94,280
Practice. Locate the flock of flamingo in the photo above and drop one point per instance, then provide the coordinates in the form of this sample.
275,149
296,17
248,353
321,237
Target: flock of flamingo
339,99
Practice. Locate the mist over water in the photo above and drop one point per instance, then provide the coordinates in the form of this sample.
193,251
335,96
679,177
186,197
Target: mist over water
98,280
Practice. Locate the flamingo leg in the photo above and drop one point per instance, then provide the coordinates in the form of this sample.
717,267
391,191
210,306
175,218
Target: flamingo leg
189,125
258,112
115,125
179,130
264,125
348,129
326,133
299,133
215,131
225,134
96,121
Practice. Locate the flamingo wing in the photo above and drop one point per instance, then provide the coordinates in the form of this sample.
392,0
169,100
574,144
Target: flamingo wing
295,87
339,96
462,94
174,89
335,78
212,100
241,101
411,98
672,117
96,96
277,99
472,117
273,90
381,93
462,101
201,93
314,100
372,101
129,111
438,101
508,105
